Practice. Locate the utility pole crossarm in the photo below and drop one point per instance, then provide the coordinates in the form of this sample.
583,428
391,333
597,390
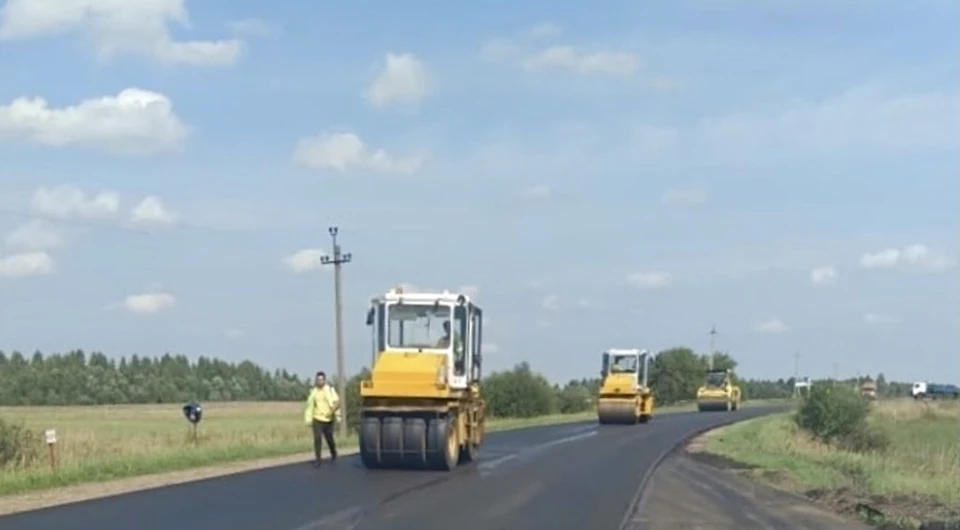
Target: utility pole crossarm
338,259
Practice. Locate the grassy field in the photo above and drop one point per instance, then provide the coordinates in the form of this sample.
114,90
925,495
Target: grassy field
916,477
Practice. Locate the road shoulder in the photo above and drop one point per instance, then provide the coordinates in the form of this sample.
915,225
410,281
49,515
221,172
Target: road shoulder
691,490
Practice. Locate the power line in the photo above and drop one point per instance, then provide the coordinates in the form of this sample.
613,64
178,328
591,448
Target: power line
337,260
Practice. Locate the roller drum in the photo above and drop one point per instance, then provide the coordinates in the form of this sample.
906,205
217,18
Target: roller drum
713,406
617,412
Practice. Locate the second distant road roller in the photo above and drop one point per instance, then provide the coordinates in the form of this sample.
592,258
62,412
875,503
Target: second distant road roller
625,396
421,407
719,392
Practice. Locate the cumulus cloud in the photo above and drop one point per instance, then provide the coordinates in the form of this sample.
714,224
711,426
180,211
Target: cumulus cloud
402,80
149,303
133,122
913,257
308,259
772,326
650,280
583,62
551,303
470,290
117,27
538,191
346,151
27,264
152,210
34,235
67,201
823,275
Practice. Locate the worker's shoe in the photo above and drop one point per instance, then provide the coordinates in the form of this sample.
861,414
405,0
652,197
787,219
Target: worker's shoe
317,463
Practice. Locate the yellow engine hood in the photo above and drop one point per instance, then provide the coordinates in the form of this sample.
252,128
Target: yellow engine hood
407,374
620,384
712,392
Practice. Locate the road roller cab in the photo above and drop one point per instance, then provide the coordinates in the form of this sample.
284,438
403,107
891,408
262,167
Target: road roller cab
421,406
625,395
719,392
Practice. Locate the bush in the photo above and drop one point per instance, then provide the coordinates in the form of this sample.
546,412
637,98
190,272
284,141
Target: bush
836,414
19,446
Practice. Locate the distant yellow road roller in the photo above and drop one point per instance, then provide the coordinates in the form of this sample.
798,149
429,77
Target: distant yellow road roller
421,407
625,396
719,392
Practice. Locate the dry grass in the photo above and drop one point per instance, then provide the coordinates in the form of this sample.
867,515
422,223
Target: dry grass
917,475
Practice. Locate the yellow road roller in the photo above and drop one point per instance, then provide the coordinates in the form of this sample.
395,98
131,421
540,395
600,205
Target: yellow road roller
625,396
718,392
421,407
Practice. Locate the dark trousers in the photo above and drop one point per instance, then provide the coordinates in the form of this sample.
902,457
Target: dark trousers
323,430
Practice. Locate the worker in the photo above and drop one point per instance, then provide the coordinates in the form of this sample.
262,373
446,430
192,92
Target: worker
444,342
322,408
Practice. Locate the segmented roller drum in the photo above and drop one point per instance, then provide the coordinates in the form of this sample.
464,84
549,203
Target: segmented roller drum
394,442
617,412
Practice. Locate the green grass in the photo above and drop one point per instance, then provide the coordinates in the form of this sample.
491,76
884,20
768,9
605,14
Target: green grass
920,467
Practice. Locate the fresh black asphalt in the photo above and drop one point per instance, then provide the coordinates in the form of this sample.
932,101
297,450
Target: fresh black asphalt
573,476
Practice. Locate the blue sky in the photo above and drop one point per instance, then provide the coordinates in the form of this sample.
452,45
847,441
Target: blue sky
601,175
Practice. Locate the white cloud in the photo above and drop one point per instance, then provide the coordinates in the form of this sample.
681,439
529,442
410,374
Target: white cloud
305,260
772,325
149,303
490,347
650,280
551,303
863,119
545,29
539,191
117,27
582,62
234,333
344,151
470,290
67,201
912,257
692,195
134,122
27,264
35,234
823,275
151,210
876,318
402,79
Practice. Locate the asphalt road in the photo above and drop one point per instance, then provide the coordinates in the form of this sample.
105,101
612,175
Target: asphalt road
687,494
573,476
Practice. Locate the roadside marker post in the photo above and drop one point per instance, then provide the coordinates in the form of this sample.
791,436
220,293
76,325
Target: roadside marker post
50,435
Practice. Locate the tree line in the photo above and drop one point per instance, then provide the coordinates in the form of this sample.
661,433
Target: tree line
78,378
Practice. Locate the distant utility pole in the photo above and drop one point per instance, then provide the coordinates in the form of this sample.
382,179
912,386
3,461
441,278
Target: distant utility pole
337,260
796,374
713,333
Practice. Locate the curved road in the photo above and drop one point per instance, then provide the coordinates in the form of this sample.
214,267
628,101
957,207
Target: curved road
573,476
